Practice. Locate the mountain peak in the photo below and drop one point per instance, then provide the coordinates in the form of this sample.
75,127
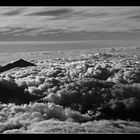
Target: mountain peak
18,63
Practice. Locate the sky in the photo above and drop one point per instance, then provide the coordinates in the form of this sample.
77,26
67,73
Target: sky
67,23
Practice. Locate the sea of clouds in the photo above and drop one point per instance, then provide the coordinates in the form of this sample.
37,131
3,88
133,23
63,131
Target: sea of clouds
69,92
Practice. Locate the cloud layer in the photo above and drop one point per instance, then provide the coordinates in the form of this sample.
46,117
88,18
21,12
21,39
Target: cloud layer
68,94
37,21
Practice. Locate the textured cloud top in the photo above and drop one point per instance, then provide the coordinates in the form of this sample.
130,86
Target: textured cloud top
96,91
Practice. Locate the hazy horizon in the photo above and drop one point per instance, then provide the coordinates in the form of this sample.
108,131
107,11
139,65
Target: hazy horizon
38,46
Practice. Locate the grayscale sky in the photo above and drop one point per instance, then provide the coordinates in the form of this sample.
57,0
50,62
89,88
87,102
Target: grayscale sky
69,23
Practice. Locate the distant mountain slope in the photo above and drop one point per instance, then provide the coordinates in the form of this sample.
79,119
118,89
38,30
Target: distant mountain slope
19,63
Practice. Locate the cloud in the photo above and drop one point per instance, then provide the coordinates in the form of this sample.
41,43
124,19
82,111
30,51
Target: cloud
37,21
57,12
135,17
13,12
73,91
99,15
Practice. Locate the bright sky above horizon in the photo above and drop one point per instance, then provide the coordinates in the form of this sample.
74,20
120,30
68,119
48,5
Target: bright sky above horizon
38,23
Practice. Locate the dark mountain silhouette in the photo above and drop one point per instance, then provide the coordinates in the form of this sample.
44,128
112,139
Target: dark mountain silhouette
19,63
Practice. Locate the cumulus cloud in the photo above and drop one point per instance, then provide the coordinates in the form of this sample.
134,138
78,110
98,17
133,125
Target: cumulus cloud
71,92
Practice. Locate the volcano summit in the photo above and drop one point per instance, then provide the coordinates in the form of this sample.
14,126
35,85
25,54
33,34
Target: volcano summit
18,63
